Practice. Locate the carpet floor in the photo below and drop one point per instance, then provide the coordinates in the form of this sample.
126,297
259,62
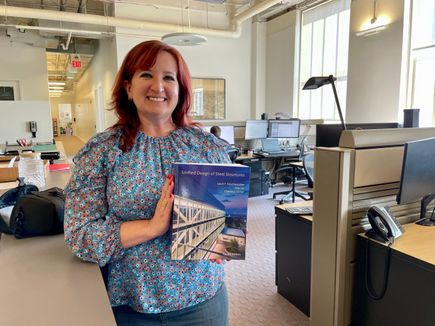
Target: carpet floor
253,296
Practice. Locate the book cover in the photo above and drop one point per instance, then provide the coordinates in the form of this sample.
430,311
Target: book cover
210,211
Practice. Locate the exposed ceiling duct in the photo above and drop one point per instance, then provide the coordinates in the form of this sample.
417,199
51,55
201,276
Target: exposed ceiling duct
70,27
31,38
233,31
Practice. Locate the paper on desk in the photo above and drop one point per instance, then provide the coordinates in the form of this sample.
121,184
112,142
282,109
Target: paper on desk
11,162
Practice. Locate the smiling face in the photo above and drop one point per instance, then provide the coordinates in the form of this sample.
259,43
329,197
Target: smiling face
155,91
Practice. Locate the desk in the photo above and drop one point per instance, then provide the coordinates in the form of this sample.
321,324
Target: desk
293,256
43,284
410,293
53,179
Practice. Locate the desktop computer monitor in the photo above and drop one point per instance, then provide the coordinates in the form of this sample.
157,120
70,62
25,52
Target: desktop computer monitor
328,135
255,129
280,128
417,181
227,133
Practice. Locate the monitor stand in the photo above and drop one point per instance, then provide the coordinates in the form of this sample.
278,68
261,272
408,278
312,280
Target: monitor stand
426,221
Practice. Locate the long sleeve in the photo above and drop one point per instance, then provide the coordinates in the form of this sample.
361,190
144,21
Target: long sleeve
90,232
110,186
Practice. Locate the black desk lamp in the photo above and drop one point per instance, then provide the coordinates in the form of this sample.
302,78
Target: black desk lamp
316,82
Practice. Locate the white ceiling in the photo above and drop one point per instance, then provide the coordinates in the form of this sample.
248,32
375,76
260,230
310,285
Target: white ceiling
61,44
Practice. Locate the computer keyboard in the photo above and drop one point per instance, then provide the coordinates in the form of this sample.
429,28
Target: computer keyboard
277,153
303,210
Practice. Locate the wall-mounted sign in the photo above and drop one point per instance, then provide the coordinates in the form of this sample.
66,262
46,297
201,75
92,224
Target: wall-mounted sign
76,62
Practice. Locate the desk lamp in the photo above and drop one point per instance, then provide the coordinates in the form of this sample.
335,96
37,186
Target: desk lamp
316,82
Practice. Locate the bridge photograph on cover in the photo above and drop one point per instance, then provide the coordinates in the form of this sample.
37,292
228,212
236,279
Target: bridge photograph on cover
210,211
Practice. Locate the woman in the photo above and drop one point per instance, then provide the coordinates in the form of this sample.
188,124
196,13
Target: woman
119,200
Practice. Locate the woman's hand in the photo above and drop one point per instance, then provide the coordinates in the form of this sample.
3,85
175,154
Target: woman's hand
160,222
135,232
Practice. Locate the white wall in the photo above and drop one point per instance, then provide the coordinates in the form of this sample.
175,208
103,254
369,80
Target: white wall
100,75
15,116
28,65
82,106
280,56
104,68
258,80
374,71
219,58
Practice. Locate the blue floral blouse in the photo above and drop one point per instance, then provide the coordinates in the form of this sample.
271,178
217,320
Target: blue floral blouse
109,187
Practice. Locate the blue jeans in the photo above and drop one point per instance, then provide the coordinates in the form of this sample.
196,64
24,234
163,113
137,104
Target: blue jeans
213,312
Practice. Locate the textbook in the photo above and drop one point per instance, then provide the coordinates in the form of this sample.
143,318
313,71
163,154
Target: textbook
210,211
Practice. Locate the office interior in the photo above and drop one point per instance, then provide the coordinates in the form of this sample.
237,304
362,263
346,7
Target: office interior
255,47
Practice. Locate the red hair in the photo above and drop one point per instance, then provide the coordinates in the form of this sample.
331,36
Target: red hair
142,57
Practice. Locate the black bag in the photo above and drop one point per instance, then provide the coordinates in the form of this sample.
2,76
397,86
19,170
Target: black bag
10,197
38,213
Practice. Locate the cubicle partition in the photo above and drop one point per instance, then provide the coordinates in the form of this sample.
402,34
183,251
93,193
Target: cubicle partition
364,171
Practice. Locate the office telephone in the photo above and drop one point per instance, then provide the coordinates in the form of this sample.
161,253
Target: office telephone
385,226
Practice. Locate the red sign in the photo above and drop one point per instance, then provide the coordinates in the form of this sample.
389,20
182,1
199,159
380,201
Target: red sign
76,64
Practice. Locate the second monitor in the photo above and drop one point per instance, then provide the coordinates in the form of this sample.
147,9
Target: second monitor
280,128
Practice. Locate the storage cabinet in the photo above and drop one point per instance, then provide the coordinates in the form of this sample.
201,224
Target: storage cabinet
293,258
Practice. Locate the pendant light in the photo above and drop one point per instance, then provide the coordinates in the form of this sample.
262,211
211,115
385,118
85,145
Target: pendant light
184,38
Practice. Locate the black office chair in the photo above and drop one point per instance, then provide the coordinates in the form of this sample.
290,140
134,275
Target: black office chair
308,167
233,152
296,171
308,161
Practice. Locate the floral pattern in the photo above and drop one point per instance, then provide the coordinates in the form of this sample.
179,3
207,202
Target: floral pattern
110,186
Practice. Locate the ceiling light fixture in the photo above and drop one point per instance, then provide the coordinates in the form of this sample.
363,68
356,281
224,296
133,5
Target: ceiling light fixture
374,25
184,38
56,83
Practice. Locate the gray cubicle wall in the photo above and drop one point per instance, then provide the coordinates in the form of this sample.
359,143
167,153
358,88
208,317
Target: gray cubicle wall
364,171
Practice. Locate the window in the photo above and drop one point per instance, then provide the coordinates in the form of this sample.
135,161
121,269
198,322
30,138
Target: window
198,102
421,81
323,51
208,99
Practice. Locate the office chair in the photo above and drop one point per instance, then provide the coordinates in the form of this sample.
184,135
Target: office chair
301,168
308,163
233,152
